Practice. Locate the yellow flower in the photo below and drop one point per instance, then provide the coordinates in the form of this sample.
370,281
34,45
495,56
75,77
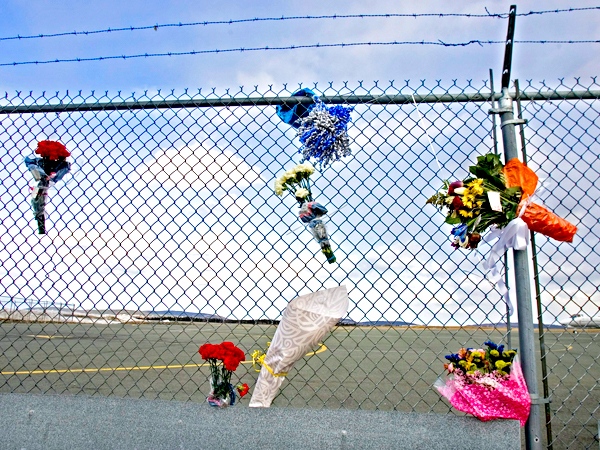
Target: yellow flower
476,186
508,353
500,365
494,353
464,213
307,168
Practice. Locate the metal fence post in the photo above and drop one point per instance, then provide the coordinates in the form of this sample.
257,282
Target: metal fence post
523,290
538,295
520,258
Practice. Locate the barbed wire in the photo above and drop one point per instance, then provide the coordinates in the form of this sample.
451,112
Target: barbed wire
298,47
285,18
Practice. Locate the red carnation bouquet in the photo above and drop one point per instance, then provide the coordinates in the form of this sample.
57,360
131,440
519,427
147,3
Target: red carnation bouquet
51,166
223,359
52,150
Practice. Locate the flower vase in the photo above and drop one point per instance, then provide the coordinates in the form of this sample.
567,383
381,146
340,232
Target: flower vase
219,397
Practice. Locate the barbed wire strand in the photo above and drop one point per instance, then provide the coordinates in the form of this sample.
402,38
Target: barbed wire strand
295,47
285,18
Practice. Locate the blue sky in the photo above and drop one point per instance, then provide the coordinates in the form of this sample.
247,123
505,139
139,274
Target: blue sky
289,66
96,262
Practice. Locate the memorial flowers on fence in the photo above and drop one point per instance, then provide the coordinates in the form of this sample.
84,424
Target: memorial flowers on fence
322,129
51,166
486,383
323,133
496,195
223,359
304,323
311,213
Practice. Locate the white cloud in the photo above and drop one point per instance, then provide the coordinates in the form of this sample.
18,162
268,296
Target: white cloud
195,167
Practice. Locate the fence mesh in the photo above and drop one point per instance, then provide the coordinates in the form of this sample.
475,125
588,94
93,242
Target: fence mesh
167,235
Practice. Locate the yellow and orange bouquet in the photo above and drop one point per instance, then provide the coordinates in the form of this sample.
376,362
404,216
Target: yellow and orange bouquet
494,196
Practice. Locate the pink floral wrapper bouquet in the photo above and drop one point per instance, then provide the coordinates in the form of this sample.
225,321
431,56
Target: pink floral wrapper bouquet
487,384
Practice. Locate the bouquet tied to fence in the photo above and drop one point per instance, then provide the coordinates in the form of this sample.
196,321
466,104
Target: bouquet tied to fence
486,383
223,359
51,166
323,133
496,195
322,129
305,322
311,213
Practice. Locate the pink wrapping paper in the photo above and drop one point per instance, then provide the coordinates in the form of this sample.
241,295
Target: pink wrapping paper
509,399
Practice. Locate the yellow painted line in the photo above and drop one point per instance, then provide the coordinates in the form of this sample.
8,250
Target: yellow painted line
321,349
43,336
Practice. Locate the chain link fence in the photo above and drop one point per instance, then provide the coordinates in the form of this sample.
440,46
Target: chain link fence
167,234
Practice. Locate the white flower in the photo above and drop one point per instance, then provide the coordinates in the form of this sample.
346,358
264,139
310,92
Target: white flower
278,187
302,193
308,168
488,382
460,190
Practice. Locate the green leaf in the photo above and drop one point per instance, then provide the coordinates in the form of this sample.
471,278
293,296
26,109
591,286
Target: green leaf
452,220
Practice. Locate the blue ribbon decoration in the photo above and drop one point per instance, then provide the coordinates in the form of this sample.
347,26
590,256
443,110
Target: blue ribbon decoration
292,115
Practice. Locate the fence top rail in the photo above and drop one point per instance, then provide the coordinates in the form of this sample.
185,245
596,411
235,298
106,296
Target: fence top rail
397,99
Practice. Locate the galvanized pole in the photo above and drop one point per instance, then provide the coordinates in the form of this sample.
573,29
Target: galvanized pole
495,138
538,295
521,260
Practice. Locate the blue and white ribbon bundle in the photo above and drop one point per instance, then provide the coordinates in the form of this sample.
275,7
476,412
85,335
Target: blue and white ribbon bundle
324,133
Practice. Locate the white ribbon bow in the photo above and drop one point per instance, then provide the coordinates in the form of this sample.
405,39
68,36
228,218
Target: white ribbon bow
516,236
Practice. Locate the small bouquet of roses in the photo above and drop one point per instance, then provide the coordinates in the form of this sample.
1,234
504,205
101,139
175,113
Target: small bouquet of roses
496,195
297,180
223,359
49,168
488,384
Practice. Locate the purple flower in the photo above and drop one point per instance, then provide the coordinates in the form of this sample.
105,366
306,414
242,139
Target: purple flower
454,185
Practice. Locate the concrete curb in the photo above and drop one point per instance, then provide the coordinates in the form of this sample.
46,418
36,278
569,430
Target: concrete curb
32,421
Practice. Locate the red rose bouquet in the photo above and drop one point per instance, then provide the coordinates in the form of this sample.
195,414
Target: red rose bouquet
223,359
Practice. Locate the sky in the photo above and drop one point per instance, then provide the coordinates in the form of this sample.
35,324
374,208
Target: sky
143,224
263,68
